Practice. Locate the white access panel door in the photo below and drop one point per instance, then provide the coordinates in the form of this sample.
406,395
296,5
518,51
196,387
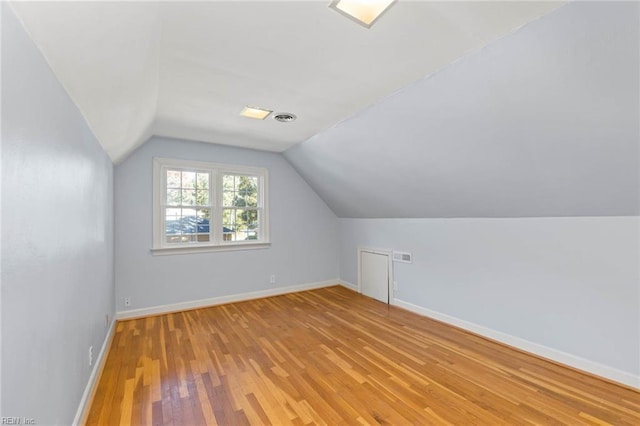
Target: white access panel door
374,275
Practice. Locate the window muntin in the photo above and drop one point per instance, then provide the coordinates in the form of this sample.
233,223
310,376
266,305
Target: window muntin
208,205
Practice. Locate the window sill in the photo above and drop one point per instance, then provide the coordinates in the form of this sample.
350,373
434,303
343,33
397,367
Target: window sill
163,251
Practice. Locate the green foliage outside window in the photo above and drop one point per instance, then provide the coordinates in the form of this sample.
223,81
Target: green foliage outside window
240,203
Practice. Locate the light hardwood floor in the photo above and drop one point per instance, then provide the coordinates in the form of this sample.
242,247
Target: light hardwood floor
332,356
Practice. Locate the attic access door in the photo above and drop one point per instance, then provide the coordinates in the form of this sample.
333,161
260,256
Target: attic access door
374,273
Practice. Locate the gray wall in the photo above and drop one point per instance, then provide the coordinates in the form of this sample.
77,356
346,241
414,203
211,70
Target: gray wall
303,233
543,122
57,238
571,284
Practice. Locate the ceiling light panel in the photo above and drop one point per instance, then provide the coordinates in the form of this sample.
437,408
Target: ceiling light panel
255,112
364,12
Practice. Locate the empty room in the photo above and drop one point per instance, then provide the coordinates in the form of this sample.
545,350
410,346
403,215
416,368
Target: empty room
334,212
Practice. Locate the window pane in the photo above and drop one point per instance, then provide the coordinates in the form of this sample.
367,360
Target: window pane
174,197
204,214
240,224
174,238
227,199
248,185
187,188
251,200
228,225
239,201
202,220
228,190
189,180
202,181
240,191
228,219
173,225
228,183
173,212
239,217
188,197
187,225
173,179
252,219
248,190
202,197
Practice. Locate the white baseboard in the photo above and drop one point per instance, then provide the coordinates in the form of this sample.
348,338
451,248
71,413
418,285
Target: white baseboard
348,285
202,303
556,355
94,377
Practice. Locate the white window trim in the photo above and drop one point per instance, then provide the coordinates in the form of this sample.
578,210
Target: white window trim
160,247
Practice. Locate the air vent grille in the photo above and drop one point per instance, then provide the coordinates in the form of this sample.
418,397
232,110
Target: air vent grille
284,117
403,257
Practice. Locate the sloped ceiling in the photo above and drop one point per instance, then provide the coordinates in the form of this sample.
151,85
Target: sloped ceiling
544,122
186,69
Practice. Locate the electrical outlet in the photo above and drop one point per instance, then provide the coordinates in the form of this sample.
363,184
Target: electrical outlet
127,302
272,279
90,356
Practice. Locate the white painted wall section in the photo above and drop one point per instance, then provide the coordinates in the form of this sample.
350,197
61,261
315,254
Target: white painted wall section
57,238
571,285
303,235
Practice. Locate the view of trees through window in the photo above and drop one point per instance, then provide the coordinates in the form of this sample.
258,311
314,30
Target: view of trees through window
189,204
239,207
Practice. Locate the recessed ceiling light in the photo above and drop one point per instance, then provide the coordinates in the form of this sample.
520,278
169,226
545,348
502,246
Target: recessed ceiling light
284,117
254,112
364,12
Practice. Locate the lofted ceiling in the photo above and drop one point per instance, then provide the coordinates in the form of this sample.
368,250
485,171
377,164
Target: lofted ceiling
544,122
186,69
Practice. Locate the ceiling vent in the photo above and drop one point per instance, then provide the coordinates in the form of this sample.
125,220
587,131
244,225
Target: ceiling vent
284,117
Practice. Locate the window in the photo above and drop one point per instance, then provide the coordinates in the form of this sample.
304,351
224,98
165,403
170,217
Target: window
208,207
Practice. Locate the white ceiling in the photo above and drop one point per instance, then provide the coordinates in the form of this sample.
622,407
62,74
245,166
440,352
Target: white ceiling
544,122
186,69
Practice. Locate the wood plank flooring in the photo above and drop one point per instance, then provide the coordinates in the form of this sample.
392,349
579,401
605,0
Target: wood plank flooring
331,356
